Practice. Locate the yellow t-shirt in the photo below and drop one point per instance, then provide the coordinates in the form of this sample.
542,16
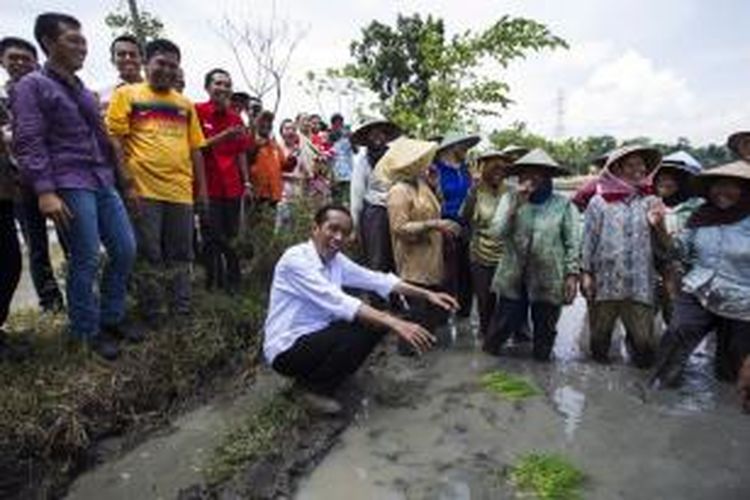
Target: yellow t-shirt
158,131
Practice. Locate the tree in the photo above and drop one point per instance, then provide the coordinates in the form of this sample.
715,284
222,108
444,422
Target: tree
330,87
121,21
429,83
262,49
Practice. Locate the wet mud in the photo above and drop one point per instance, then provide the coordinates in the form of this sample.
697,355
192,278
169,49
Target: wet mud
426,428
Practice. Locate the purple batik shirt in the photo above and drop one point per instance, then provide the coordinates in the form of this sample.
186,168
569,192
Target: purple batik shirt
59,140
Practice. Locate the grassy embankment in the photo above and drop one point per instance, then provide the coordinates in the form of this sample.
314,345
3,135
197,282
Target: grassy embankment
56,405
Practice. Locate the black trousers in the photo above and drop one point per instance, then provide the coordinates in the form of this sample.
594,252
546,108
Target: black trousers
509,317
34,228
481,282
322,360
375,235
458,272
10,258
691,323
219,228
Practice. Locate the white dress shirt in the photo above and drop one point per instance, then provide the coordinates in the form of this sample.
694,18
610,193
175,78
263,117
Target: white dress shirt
365,186
307,295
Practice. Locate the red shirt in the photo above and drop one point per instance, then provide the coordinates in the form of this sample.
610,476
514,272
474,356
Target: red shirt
223,175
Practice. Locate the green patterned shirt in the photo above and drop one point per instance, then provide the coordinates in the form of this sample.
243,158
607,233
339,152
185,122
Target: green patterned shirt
541,247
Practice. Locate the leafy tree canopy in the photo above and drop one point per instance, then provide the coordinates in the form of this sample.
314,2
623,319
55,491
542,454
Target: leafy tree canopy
428,82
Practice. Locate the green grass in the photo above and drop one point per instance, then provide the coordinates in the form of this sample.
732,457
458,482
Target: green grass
254,436
509,386
548,477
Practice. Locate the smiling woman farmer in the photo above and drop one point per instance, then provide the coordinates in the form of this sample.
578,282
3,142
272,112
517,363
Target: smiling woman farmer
716,287
484,250
540,237
618,256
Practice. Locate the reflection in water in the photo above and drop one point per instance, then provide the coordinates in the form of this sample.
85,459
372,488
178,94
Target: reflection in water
570,403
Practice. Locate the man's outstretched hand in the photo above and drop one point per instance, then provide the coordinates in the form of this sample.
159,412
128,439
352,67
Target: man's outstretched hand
443,300
419,338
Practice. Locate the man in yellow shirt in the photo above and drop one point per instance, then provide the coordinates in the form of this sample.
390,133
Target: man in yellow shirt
157,132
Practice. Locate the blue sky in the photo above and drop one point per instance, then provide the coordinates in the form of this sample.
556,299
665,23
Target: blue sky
663,68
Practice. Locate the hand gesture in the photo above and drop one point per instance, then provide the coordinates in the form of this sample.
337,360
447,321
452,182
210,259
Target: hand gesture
132,200
444,301
53,207
588,286
448,227
419,338
524,191
656,214
571,289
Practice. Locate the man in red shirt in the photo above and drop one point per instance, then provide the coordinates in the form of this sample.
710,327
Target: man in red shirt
227,143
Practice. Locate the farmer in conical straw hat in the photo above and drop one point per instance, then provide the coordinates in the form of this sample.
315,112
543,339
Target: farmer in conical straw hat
540,239
478,210
453,182
672,183
368,193
618,256
416,227
715,291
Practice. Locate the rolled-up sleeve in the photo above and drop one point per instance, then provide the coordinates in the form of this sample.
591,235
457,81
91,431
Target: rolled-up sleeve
29,132
361,278
300,280
500,225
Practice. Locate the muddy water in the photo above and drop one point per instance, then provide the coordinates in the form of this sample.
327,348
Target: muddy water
164,464
447,438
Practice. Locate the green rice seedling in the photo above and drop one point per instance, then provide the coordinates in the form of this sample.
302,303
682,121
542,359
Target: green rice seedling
509,386
547,477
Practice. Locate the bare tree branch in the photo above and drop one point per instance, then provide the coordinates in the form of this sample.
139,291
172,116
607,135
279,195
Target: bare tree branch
262,50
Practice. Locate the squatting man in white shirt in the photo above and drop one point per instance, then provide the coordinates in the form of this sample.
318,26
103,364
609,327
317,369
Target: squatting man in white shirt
315,332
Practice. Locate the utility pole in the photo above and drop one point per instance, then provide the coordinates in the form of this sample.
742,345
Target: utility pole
137,22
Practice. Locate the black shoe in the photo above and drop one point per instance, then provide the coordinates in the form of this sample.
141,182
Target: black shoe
105,346
125,331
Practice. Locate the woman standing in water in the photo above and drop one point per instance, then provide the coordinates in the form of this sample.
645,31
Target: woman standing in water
454,182
539,234
672,183
484,250
618,255
715,293
416,227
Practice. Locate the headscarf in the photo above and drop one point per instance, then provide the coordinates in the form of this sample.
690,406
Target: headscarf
542,193
684,190
614,189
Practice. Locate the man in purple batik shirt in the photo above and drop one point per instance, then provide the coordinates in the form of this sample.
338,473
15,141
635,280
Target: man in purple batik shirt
64,153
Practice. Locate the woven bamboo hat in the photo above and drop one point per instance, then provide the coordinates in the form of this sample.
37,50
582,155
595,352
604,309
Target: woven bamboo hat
359,136
540,159
650,156
405,159
736,170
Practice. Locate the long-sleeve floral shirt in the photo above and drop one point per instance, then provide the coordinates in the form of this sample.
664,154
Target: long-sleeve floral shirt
618,249
541,245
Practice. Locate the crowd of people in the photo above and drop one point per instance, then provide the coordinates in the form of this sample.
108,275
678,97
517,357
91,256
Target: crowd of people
131,167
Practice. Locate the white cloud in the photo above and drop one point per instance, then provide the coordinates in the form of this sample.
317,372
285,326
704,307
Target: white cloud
629,96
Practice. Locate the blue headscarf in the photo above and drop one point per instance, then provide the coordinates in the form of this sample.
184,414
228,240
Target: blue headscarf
542,193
